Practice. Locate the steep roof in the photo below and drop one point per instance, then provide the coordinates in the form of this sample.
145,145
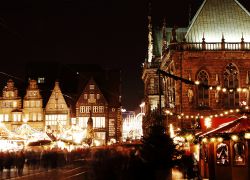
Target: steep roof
217,17
56,97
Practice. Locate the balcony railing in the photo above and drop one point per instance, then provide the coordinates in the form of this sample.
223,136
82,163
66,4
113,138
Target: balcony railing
231,46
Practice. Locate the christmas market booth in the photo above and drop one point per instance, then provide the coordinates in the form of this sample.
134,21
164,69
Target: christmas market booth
225,150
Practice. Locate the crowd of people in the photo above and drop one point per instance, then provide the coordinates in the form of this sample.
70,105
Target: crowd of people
38,159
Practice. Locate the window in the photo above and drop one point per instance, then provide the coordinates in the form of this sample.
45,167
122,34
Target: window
11,94
83,121
41,80
37,103
202,94
6,117
231,83
40,117
14,104
151,89
95,109
239,153
99,122
170,86
98,96
101,109
82,109
91,86
85,96
222,155
88,109
26,104
32,104
92,98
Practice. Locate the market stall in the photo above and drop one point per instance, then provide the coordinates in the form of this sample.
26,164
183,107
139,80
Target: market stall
224,151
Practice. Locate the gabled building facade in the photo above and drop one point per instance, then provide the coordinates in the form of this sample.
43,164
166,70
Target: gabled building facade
11,103
93,103
33,112
57,113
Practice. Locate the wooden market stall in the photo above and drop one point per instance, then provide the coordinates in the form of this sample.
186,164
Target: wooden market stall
225,150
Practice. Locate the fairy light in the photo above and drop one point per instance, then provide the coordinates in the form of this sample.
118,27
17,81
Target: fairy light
204,140
212,139
218,88
219,139
234,137
197,82
247,135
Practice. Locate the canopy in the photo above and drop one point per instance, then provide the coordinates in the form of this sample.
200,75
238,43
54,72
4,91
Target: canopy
237,126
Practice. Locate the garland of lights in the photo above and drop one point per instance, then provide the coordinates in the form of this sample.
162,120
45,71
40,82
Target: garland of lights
209,87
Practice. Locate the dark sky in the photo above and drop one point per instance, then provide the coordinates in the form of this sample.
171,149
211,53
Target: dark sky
112,33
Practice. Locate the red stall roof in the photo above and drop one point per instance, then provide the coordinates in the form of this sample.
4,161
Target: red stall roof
236,126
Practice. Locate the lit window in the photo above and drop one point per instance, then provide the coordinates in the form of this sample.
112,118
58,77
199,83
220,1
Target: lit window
239,151
37,103
92,98
82,109
98,96
203,100
99,122
41,80
85,96
6,117
95,109
101,109
231,82
14,104
91,86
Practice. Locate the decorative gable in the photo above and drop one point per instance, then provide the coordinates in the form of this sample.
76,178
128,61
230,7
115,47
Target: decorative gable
56,100
91,94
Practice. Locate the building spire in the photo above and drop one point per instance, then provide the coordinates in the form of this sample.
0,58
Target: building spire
150,38
164,42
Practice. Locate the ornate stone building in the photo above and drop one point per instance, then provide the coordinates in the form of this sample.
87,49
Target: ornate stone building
203,68
57,114
10,111
33,112
94,103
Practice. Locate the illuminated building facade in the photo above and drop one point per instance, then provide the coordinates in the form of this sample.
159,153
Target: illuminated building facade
33,112
92,102
200,74
131,125
57,113
204,67
11,103
73,82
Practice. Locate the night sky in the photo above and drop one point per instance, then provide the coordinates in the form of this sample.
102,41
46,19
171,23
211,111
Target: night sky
112,33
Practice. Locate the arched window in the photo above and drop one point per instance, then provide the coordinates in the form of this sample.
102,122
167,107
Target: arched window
203,99
239,153
231,83
170,86
222,154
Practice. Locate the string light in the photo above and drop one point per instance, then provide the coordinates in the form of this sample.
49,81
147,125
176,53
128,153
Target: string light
197,116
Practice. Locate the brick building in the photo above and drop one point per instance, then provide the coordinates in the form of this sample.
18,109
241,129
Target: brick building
204,68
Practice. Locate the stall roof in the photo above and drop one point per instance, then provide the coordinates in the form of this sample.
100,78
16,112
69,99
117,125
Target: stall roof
237,126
